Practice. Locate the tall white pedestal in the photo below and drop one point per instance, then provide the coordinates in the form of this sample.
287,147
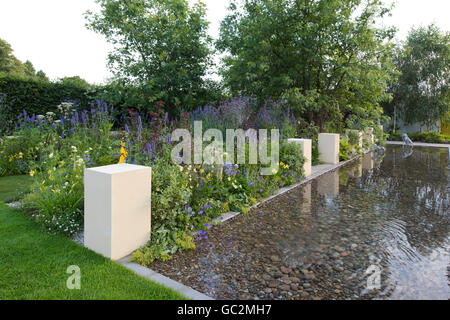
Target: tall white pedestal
329,148
117,209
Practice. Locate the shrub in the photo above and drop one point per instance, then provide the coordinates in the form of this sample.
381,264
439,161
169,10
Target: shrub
58,198
349,147
19,154
344,149
291,154
171,194
6,115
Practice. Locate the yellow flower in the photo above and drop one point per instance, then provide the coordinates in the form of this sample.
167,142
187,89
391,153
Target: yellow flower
32,173
281,163
123,153
20,155
274,171
49,172
50,178
202,170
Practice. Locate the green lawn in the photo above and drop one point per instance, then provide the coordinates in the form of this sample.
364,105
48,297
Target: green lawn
12,187
33,264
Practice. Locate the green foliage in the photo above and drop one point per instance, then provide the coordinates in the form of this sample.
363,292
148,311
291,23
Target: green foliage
170,186
344,149
10,65
349,146
58,199
18,155
315,155
422,93
181,240
76,82
291,154
328,59
161,47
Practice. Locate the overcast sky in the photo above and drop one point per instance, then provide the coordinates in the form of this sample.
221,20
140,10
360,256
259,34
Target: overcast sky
51,33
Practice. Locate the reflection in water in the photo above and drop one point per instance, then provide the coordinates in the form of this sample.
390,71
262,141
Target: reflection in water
328,184
318,240
407,151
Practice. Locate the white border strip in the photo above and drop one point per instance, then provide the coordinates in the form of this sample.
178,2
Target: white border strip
145,272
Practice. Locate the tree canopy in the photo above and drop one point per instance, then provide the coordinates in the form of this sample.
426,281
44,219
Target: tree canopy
326,57
10,65
422,92
161,46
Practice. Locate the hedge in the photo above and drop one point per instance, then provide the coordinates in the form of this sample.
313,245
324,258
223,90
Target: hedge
38,97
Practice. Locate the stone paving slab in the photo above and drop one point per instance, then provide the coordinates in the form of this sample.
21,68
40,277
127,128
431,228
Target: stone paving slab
421,144
188,292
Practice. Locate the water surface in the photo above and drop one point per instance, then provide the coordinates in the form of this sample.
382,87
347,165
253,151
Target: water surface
375,229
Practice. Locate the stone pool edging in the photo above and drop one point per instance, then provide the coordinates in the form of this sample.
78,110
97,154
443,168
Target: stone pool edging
154,276
421,144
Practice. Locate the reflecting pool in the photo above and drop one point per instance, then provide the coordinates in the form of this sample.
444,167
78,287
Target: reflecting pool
375,229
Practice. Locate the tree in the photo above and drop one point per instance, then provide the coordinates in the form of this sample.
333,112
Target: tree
9,64
161,46
42,76
326,57
422,93
30,72
75,81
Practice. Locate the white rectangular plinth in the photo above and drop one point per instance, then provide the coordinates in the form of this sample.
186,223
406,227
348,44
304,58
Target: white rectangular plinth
329,148
117,209
306,145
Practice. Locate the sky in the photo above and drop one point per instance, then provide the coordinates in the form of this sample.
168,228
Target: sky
52,33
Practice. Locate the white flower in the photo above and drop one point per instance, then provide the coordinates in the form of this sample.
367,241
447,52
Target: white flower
50,155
